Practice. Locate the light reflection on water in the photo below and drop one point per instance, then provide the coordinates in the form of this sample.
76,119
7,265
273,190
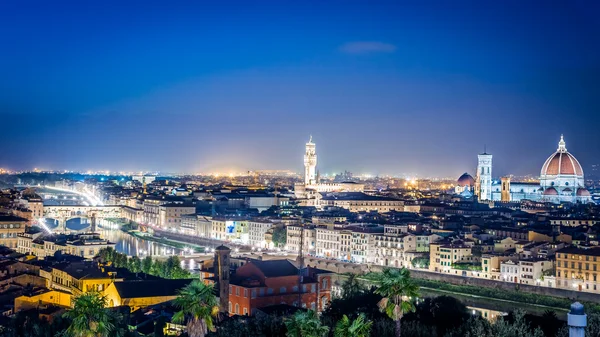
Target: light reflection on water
133,246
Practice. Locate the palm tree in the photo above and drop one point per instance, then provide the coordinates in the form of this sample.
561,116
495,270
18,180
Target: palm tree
397,289
90,317
360,327
305,324
351,286
199,306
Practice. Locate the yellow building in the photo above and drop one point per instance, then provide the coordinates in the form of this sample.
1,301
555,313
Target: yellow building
578,269
139,294
79,277
443,256
42,299
541,237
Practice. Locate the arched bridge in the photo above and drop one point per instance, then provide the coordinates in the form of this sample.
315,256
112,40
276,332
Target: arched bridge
64,213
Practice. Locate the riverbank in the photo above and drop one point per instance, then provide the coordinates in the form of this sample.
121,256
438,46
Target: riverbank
515,296
166,242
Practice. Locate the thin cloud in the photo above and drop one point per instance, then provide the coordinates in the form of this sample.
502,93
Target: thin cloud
367,47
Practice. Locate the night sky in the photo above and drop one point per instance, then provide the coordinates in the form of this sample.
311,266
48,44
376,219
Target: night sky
383,87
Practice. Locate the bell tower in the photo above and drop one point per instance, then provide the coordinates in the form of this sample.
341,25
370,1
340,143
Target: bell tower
221,270
484,176
505,192
310,163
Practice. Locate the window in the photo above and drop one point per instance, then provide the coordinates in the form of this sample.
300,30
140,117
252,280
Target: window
253,294
237,291
237,309
245,311
313,288
245,292
270,291
282,290
230,307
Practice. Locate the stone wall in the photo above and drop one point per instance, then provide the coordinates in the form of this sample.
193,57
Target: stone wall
341,267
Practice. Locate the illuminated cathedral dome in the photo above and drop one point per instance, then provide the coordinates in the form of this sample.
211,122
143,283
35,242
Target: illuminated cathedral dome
561,177
561,162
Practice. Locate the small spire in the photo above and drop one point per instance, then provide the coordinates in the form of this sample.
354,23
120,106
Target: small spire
310,139
562,146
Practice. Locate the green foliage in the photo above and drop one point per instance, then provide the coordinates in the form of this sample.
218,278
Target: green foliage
90,318
360,327
398,291
502,294
28,324
171,268
305,324
518,327
198,306
279,236
257,326
351,286
467,266
421,262
147,264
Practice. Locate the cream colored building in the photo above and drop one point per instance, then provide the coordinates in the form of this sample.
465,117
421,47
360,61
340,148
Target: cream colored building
443,256
257,229
169,215
83,245
10,228
294,235
360,202
333,242
196,225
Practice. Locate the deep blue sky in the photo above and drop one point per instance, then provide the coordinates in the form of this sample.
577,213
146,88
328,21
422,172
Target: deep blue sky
384,87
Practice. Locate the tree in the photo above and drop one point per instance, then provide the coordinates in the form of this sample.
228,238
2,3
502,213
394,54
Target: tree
305,324
360,327
198,306
107,254
134,264
421,262
147,265
90,317
351,286
279,236
398,290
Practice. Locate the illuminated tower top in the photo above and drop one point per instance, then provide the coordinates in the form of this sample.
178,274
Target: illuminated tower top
310,163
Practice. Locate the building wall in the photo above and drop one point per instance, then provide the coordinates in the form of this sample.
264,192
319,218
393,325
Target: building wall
9,230
52,297
578,272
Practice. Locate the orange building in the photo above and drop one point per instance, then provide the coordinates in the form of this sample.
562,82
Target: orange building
259,284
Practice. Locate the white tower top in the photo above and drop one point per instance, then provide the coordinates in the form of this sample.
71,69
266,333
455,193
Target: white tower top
562,146
310,163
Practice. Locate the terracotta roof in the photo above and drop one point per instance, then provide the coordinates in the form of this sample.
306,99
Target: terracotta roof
465,180
582,192
562,163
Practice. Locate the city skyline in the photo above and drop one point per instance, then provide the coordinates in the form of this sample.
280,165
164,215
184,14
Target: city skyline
383,88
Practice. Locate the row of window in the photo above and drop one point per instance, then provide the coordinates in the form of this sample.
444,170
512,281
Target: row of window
565,264
574,275
574,257
10,226
270,291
